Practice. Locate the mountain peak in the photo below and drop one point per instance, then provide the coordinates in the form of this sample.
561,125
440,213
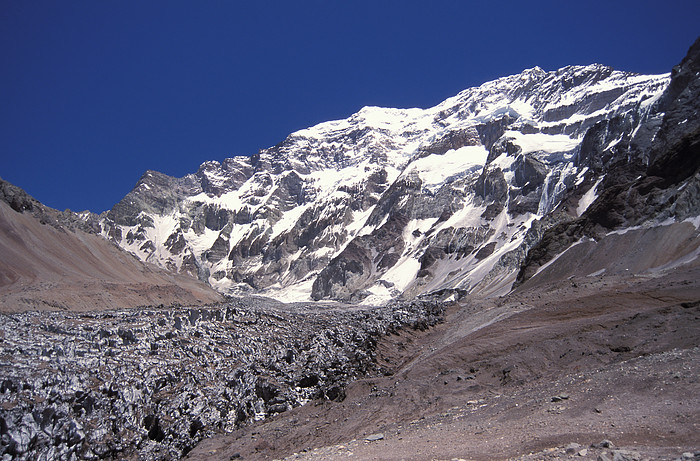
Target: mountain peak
390,202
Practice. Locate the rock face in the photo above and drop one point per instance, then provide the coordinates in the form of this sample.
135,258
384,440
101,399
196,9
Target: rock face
393,203
21,202
660,182
151,383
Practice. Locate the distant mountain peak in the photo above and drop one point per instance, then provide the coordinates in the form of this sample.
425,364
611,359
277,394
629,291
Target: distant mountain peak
396,202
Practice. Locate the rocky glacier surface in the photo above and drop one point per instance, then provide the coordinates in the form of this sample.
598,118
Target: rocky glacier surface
392,203
150,383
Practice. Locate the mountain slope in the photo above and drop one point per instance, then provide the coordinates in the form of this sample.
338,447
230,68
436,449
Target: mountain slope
652,209
580,360
52,260
597,342
398,202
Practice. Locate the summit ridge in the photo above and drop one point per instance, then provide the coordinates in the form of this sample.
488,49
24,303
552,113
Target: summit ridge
396,202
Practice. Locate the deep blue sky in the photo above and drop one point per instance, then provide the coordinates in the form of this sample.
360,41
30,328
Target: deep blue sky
94,93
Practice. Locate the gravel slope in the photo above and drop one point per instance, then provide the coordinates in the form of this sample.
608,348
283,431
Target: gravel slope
575,361
45,267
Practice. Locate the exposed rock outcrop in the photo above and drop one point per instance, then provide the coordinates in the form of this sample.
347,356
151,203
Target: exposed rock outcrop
56,260
635,193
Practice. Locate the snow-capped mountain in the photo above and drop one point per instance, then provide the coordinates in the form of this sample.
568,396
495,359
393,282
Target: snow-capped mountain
393,202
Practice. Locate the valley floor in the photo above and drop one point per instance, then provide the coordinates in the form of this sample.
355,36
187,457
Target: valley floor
555,366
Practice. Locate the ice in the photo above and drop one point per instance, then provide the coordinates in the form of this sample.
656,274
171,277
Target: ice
551,194
420,225
581,176
230,201
695,221
503,161
359,218
541,142
379,296
588,198
434,170
402,273
468,216
297,292
223,285
390,119
288,220
201,242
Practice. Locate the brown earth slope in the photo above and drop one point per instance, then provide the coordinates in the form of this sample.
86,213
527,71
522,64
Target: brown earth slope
575,361
45,267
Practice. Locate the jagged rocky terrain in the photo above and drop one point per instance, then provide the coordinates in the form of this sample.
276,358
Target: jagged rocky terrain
566,363
398,202
640,197
150,383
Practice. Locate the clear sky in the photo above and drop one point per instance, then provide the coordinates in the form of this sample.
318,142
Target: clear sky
94,93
